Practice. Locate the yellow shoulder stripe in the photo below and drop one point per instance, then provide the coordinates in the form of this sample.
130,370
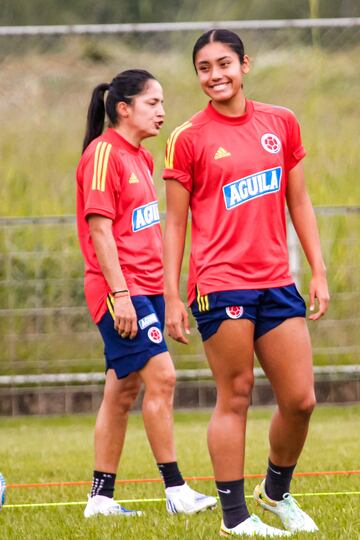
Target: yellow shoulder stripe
170,148
101,159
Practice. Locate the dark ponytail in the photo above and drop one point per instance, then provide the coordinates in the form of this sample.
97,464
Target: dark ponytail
124,87
96,114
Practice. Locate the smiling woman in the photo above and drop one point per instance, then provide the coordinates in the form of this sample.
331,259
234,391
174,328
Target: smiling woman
220,77
242,159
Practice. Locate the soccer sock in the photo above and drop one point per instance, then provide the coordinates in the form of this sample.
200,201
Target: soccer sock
278,480
233,503
170,474
103,484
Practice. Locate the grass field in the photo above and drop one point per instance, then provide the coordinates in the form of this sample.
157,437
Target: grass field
60,449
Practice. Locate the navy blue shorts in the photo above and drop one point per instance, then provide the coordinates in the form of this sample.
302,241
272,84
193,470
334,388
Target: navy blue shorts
126,355
266,308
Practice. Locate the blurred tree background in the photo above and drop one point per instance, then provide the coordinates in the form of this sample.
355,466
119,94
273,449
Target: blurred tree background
23,12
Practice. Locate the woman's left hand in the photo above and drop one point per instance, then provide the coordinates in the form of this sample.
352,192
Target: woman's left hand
319,292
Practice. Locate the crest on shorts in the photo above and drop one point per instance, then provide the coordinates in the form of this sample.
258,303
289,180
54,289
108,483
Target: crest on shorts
155,335
271,143
234,312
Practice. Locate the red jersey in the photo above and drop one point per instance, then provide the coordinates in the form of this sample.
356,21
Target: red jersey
114,180
236,170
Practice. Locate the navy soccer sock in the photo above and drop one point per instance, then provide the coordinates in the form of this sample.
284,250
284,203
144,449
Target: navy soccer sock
278,480
170,474
233,503
103,484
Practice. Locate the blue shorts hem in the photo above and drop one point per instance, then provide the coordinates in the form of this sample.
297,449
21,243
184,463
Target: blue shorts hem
210,329
261,332
124,366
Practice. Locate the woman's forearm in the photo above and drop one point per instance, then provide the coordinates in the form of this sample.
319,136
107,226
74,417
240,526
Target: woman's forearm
304,221
177,199
303,218
174,243
106,252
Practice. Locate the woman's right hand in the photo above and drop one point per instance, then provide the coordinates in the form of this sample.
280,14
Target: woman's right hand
125,317
177,320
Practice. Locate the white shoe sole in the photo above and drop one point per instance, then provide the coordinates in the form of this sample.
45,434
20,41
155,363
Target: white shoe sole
203,508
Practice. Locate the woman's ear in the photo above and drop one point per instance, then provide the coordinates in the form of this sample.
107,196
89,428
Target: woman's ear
245,66
122,109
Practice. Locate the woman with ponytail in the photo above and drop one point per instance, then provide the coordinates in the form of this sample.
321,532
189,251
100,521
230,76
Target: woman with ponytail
120,238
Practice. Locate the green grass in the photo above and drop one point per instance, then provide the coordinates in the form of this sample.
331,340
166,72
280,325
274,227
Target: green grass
60,449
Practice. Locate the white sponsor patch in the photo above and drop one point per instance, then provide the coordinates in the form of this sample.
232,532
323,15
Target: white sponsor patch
250,187
271,143
234,312
155,335
145,216
146,321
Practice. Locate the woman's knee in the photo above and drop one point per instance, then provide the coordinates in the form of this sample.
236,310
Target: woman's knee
235,394
307,405
163,384
120,398
301,405
128,396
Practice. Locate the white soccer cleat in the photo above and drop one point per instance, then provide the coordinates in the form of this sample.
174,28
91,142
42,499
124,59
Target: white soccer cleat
252,526
184,500
2,491
107,507
293,518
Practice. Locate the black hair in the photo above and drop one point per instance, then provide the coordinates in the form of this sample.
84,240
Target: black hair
222,35
124,87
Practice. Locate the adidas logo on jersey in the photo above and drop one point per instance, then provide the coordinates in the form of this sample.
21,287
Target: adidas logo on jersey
221,153
133,179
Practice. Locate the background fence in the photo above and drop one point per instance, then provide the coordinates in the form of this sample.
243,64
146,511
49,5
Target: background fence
45,326
47,76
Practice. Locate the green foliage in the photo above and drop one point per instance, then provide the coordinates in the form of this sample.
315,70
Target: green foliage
43,121
22,12
67,456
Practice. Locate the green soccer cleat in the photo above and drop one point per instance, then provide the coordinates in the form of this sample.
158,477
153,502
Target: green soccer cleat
252,526
293,518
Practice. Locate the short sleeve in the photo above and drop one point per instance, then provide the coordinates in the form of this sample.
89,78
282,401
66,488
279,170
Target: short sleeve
101,181
295,150
179,157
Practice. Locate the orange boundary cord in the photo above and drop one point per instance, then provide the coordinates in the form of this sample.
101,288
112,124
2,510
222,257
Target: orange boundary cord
152,480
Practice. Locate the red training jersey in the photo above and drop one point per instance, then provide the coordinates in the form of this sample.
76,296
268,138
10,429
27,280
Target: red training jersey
114,180
236,170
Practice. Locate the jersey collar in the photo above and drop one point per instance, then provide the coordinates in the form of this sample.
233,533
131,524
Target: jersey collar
231,120
118,140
